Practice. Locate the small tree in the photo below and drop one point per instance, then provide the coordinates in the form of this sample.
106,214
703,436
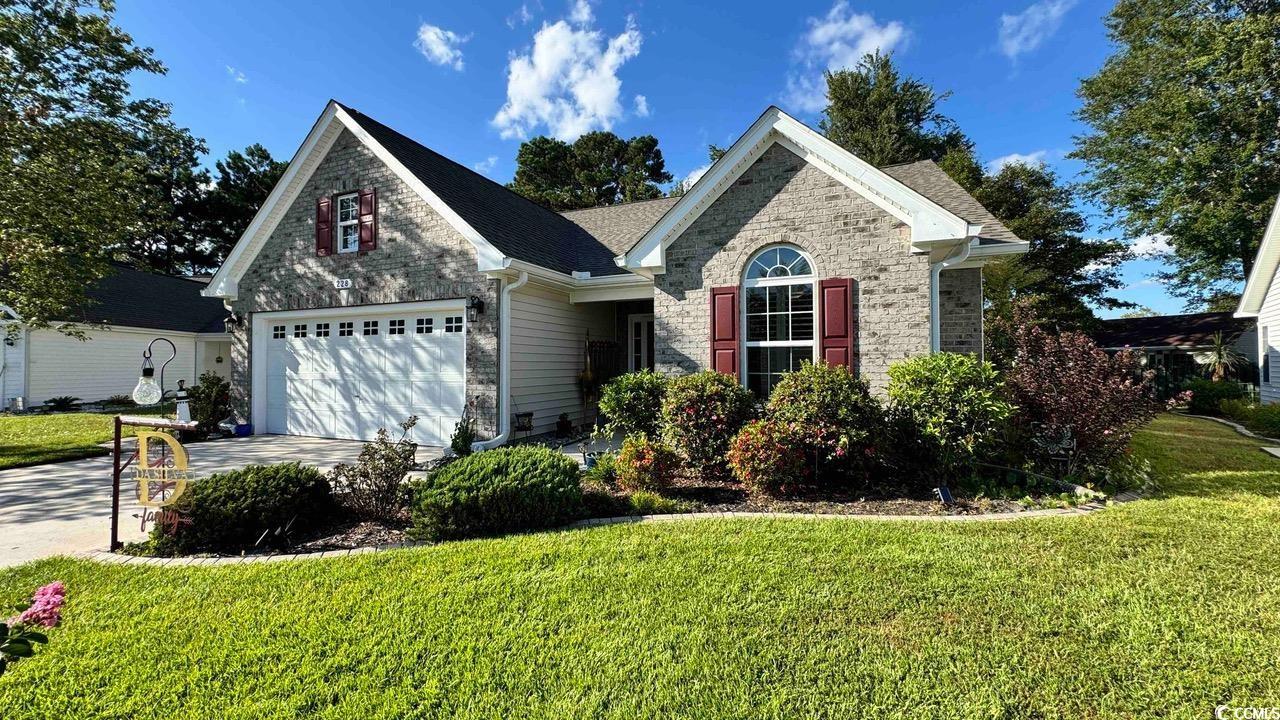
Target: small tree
210,401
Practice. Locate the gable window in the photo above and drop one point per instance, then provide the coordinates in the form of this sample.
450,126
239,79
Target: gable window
277,332
322,329
348,223
778,316
453,324
370,327
425,326
345,329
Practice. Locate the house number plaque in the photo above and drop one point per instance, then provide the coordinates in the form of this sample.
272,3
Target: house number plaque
343,283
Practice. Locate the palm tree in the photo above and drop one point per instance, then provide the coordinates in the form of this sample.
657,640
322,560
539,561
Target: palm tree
1221,358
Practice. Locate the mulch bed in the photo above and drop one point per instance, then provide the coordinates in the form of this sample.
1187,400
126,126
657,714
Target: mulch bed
350,535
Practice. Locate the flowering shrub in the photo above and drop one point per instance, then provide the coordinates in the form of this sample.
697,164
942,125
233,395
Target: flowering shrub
17,638
1207,395
1066,387
772,457
373,487
701,413
644,464
633,402
956,400
835,407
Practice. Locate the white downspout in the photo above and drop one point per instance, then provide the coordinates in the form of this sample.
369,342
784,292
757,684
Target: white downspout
504,367
935,303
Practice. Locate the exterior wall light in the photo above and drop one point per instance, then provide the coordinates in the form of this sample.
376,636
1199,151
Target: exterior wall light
147,391
475,307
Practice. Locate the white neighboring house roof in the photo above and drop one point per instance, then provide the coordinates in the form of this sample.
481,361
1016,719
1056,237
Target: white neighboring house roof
931,224
326,130
1264,269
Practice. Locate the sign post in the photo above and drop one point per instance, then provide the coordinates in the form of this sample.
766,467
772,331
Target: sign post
119,463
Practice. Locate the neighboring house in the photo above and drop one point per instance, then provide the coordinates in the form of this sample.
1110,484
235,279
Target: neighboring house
126,310
1177,346
380,279
1261,300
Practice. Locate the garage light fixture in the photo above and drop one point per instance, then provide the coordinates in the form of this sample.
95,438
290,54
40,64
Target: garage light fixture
147,392
475,306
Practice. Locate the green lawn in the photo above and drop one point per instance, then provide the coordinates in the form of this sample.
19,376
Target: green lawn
1160,608
37,439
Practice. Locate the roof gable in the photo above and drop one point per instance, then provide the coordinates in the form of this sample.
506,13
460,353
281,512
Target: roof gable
929,221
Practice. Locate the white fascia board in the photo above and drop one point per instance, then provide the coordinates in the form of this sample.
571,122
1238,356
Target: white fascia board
929,221
1264,268
613,287
313,150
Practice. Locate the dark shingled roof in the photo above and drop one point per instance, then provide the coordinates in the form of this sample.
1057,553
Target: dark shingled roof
516,226
621,226
926,178
133,298
1194,330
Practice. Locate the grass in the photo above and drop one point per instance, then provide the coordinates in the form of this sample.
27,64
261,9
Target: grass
1164,607
38,439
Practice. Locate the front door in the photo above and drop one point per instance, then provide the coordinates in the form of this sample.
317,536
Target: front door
640,342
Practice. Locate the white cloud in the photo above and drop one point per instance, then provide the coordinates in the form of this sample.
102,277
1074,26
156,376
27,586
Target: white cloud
642,106
580,12
568,82
1025,31
520,17
1151,246
694,175
236,76
440,46
486,166
838,40
1032,158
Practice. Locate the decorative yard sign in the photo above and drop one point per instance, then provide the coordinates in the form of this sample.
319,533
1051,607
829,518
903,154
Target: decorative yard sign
160,472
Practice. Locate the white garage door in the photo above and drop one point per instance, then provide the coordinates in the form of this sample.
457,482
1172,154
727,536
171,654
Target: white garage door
346,375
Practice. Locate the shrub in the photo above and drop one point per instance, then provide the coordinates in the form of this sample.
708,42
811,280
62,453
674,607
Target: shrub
1071,394
642,502
210,401
372,488
1236,410
1207,395
62,403
904,454
230,511
633,402
645,464
954,399
496,491
464,433
119,401
771,457
1262,419
701,413
834,406
603,473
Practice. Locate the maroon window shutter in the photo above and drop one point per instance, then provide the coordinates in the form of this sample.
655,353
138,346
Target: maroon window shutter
724,330
368,219
837,324
324,226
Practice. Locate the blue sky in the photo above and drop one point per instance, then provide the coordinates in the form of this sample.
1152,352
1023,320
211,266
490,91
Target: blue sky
469,79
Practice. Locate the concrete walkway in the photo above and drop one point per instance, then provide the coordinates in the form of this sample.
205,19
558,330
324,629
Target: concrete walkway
65,508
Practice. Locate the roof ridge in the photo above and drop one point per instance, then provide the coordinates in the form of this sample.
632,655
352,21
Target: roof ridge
908,162
618,205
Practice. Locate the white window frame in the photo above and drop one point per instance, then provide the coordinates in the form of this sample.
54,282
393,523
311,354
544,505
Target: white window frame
354,221
788,280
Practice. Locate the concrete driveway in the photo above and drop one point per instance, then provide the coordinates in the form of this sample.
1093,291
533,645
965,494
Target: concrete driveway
66,507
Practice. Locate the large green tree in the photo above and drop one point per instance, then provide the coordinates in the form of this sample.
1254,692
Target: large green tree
244,181
70,173
1185,132
169,239
598,168
884,118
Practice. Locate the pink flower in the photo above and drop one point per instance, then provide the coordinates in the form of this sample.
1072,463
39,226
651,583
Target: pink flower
46,606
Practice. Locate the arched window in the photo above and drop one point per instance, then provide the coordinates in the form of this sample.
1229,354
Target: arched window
778,315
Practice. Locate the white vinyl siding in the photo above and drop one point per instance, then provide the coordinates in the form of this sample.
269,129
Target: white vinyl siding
1269,317
13,362
106,364
548,341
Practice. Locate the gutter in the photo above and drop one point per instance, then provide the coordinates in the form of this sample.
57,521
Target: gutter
504,368
935,304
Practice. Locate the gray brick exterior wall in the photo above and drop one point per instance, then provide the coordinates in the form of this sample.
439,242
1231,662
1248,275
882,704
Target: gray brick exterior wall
783,199
960,300
418,257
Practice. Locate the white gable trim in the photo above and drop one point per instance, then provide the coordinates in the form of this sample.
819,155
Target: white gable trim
1264,268
282,197
930,223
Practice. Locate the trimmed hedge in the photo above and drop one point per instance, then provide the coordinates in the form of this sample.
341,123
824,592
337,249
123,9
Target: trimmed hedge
633,402
644,464
229,511
1207,395
701,414
497,491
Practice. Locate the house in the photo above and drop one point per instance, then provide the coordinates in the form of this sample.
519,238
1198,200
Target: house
381,279
1261,300
1176,346
127,309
